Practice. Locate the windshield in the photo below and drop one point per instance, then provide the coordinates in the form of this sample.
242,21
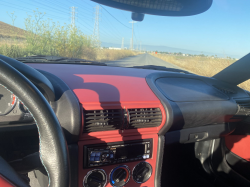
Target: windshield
202,44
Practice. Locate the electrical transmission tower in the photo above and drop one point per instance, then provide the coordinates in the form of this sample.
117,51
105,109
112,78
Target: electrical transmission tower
73,16
96,33
122,47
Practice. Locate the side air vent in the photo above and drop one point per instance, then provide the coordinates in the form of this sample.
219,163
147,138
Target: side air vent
102,120
243,107
144,117
225,90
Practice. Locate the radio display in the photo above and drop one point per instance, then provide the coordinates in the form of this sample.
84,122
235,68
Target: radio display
128,152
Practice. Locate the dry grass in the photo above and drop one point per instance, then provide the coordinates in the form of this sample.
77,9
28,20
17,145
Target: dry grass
9,31
45,37
205,66
110,55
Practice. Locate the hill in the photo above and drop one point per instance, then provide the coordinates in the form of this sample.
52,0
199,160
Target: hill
9,31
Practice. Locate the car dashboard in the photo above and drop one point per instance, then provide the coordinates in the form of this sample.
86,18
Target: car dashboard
119,119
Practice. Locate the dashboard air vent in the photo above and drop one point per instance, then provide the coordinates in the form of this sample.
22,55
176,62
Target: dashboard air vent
243,107
102,120
144,117
225,90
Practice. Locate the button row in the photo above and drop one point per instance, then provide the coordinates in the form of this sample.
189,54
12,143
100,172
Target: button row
119,161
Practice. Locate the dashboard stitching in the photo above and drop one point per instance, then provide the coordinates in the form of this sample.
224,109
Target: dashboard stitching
40,145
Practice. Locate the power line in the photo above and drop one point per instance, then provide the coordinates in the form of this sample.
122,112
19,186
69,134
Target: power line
116,33
26,9
115,18
76,2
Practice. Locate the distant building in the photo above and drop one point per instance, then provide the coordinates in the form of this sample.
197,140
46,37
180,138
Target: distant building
115,48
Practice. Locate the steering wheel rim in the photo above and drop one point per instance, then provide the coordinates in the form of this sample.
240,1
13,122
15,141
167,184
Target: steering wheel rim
52,145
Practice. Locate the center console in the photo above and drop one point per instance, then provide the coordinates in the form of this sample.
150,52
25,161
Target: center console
130,162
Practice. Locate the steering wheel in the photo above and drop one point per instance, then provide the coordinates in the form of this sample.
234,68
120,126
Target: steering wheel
52,145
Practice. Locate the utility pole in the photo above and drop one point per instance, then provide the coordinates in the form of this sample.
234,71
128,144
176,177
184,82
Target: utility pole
122,43
96,33
132,43
73,16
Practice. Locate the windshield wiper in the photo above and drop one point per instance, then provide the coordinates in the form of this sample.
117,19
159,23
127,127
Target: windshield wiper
58,60
161,68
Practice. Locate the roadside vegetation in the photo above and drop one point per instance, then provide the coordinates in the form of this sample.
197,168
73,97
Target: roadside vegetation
201,65
45,37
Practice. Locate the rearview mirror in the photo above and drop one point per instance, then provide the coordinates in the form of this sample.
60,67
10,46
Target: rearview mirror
160,7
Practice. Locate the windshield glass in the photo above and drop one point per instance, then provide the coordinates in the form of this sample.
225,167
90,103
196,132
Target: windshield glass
202,44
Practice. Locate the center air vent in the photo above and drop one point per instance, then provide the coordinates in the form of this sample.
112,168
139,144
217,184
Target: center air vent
144,117
102,120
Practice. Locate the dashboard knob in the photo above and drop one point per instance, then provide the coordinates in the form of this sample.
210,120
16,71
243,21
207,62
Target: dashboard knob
119,176
95,178
142,172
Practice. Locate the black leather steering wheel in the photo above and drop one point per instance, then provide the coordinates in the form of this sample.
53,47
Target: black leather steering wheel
52,145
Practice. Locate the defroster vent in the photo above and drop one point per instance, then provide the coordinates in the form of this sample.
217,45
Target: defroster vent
102,120
144,117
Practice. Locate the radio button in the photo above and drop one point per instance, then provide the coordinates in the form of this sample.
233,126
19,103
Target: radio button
92,159
92,154
98,154
97,158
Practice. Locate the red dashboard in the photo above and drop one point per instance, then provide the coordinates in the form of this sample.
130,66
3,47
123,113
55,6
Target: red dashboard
100,87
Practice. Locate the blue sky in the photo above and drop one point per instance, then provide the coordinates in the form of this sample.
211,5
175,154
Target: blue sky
223,29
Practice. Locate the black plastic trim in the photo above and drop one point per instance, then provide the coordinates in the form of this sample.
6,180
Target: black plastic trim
169,110
66,107
190,114
73,157
186,8
159,161
209,132
237,163
39,80
219,167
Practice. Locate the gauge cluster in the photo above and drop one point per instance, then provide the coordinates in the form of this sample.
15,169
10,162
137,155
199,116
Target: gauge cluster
12,111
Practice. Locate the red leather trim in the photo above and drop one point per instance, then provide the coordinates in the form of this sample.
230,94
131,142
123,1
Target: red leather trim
131,165
4,182
239,145
100,87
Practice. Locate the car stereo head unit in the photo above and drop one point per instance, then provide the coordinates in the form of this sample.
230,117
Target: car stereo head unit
118,152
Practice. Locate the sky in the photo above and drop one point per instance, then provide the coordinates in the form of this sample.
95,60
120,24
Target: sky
223,29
